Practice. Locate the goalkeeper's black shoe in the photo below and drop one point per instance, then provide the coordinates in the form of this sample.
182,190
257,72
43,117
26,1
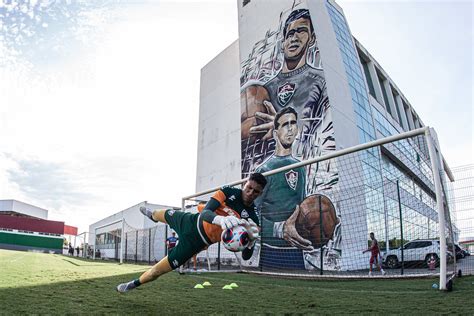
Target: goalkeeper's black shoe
125,287
147,212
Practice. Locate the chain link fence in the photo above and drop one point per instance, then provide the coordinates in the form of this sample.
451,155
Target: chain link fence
461,203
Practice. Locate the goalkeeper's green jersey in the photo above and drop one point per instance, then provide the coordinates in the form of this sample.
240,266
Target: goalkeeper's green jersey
282,193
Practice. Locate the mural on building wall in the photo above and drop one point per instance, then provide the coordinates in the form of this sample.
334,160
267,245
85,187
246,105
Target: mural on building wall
286,118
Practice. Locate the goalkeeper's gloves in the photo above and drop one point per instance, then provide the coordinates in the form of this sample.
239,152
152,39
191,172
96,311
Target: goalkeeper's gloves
252,230
226,222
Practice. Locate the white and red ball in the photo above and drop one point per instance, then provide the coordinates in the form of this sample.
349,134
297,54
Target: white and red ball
235,239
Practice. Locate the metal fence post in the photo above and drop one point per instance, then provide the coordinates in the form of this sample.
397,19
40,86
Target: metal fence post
320,235
95,243
149,246
401,225
166,236
136,246
121,240
126,239
218,256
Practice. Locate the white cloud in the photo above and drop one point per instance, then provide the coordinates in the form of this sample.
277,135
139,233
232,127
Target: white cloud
116,122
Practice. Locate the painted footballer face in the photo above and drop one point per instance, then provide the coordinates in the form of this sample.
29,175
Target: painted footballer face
250,192
297,39
287,130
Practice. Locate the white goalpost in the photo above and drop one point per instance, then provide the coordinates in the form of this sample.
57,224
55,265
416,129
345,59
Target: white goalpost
439,200
81,239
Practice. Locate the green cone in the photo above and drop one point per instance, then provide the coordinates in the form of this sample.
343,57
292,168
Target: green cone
207,283
233,285
227,287
198,286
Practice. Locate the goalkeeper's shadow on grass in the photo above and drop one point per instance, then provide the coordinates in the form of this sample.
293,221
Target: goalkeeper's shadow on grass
81,265
83,260
94,296
64,297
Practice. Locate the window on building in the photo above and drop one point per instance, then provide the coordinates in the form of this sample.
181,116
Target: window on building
394,94
368,78
407,111
416,121
108,239
384,93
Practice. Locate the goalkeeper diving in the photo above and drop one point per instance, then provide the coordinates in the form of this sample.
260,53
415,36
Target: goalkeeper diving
227,208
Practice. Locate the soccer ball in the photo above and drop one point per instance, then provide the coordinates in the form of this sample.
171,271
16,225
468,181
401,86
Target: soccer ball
235,239
251,101
308,222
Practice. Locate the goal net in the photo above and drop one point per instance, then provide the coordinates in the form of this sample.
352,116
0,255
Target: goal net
121,241
144,245
394,188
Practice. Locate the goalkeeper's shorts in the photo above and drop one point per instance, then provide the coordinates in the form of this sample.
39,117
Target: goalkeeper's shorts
189,239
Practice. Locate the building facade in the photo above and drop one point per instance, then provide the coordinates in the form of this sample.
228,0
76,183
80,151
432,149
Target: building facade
26,227
349,100
144,239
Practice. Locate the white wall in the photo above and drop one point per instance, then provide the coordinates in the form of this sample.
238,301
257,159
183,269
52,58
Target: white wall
218,159
23,208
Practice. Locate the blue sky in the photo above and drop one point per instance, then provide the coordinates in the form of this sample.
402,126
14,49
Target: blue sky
99,99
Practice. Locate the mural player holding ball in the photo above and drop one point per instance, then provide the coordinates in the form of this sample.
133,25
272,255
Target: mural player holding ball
290,223
272,110
283,192
317,219
255,111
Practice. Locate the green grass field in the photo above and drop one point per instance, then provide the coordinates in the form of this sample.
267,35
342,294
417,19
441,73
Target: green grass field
33,283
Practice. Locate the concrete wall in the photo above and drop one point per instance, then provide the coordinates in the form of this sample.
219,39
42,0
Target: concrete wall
218,159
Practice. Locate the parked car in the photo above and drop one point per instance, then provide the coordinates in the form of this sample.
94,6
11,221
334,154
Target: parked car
459,252
415,251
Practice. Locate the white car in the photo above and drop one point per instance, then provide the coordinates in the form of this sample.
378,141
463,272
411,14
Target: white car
420,250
